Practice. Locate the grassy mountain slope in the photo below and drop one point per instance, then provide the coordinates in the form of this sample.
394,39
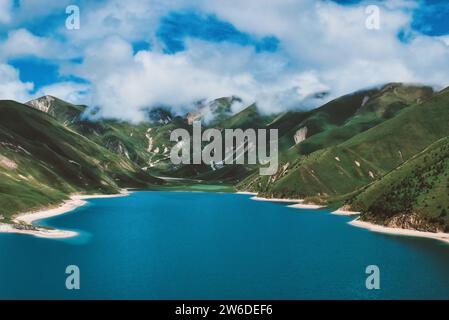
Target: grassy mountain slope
249,117
364,157
327,126
414,195
148,143
375,107
42,161
125,139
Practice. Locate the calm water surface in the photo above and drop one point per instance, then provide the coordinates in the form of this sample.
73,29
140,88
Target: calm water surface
180,245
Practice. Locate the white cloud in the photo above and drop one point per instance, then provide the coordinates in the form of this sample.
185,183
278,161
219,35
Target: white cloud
126,83
21,42
10,85
12,88
132,20
444,39
68,91
323,47
332,41
5,11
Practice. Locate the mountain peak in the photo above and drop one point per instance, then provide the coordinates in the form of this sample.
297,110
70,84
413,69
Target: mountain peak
42,104
63,111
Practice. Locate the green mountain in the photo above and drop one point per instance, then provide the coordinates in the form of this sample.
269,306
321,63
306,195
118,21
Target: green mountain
145,144
415,195
248,118
42,162
148,143
343,118
396,172
353,142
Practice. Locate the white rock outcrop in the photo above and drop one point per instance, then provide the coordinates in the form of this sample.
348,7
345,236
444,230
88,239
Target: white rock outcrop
42,104
365,100
300,135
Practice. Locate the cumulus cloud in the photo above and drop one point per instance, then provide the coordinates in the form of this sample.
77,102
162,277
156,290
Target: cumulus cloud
126,82
68,91
325,50
21,42
333,41
10,85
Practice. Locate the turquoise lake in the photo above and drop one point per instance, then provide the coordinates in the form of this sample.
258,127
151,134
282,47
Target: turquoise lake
192,245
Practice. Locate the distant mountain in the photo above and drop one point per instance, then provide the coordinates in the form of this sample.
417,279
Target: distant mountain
139,143
147,144
249,117
160,115
214,111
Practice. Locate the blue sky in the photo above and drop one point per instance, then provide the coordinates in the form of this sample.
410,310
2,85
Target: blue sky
175,27
432,18
277,53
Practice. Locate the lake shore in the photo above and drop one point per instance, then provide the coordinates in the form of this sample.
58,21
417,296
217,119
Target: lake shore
356,222
399,231
273,199
23,223
306,206
343,212
246,192
298,203
25,220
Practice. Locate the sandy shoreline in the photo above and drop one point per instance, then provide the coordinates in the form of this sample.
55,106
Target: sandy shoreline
26,219
357,223
341,212
274,199
398,231
298,203
306,206
246,192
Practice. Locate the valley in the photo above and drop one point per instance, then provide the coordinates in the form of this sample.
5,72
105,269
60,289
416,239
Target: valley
381,152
